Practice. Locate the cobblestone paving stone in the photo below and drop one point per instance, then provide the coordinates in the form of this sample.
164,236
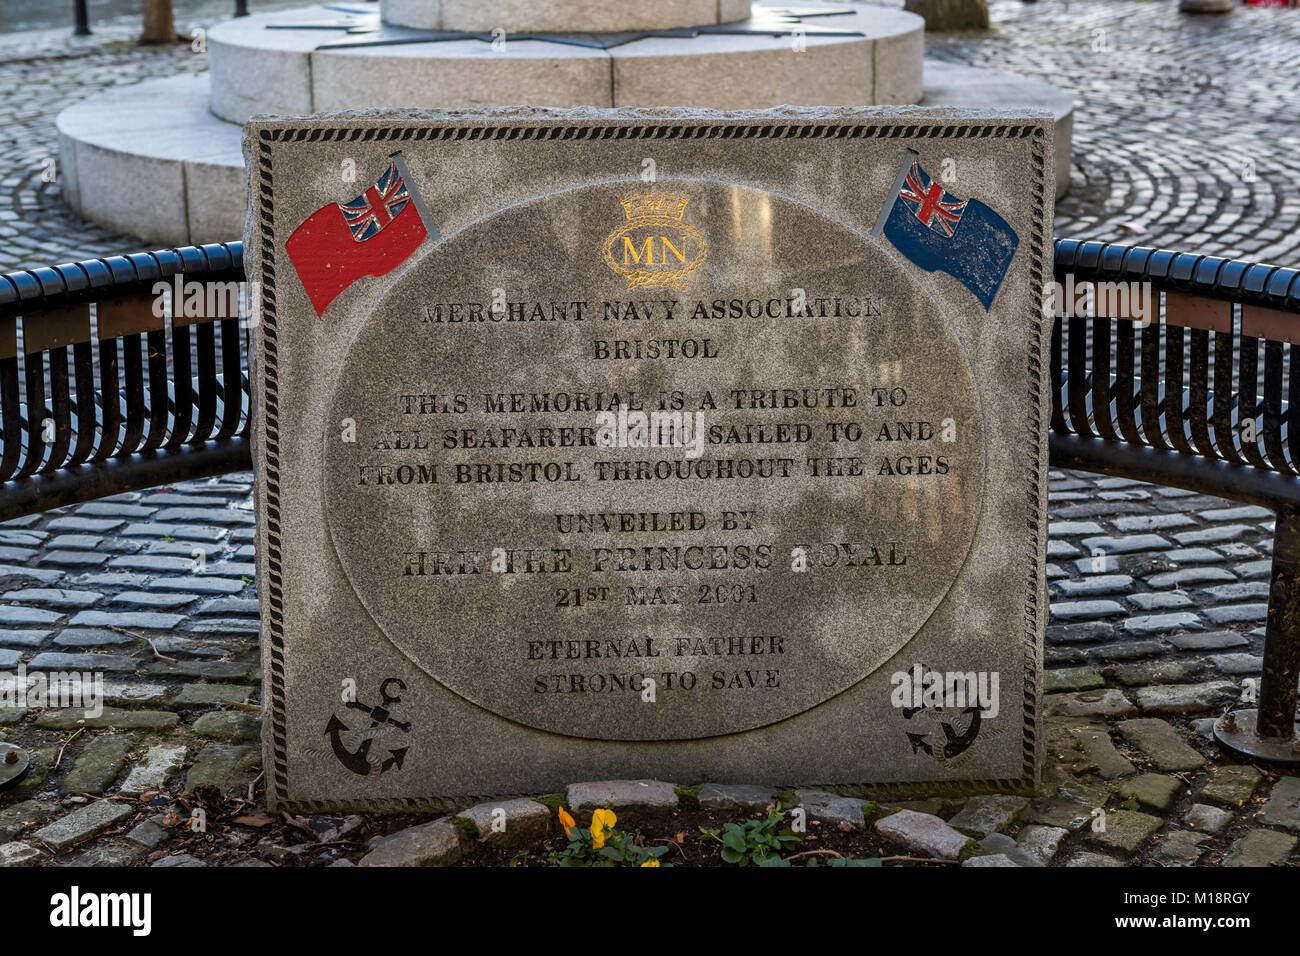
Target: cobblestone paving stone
1158,595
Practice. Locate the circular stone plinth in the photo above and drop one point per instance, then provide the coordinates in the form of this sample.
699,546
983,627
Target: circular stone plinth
559,16
275,63
151,161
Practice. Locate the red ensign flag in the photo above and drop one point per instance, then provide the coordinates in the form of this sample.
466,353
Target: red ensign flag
368,236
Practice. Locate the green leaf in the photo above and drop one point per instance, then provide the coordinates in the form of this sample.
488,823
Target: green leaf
734,840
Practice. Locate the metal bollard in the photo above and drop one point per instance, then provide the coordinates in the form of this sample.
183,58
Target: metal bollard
241,8
1269,733
82,19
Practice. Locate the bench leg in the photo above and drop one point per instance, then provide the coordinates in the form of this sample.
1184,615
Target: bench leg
1270,733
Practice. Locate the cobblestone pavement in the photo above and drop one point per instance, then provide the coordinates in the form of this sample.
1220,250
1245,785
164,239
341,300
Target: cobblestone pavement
42,71
1158,596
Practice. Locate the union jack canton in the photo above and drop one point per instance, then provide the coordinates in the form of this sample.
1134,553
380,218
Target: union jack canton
375,208
934,207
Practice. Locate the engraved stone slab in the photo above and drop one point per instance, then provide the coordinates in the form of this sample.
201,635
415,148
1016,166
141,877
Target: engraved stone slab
675,445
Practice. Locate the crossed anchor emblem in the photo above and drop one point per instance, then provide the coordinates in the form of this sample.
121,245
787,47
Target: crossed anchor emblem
956,743
383,723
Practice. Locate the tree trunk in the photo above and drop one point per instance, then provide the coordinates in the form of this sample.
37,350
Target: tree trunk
159,24
944,15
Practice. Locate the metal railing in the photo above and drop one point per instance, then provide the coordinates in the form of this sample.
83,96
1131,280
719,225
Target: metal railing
96,401
1199,388
1198,394
1200,391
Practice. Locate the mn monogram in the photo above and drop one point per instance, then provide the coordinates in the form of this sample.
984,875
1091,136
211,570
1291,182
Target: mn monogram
656,247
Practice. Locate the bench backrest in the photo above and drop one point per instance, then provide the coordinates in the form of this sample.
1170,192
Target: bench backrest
121,373
1183,370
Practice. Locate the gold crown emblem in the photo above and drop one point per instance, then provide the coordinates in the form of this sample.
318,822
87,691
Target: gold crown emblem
654,205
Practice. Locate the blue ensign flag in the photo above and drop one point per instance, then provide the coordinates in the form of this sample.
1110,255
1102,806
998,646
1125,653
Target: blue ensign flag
940,233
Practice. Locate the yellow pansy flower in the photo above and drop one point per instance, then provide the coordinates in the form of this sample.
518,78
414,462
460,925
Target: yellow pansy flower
650,863
602,822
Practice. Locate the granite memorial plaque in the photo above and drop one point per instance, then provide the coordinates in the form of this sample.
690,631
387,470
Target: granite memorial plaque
649,444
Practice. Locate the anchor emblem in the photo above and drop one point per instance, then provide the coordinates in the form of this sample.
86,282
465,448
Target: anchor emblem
943,724
384,722
956,743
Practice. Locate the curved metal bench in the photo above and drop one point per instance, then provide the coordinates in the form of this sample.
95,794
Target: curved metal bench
1200,392
156,392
